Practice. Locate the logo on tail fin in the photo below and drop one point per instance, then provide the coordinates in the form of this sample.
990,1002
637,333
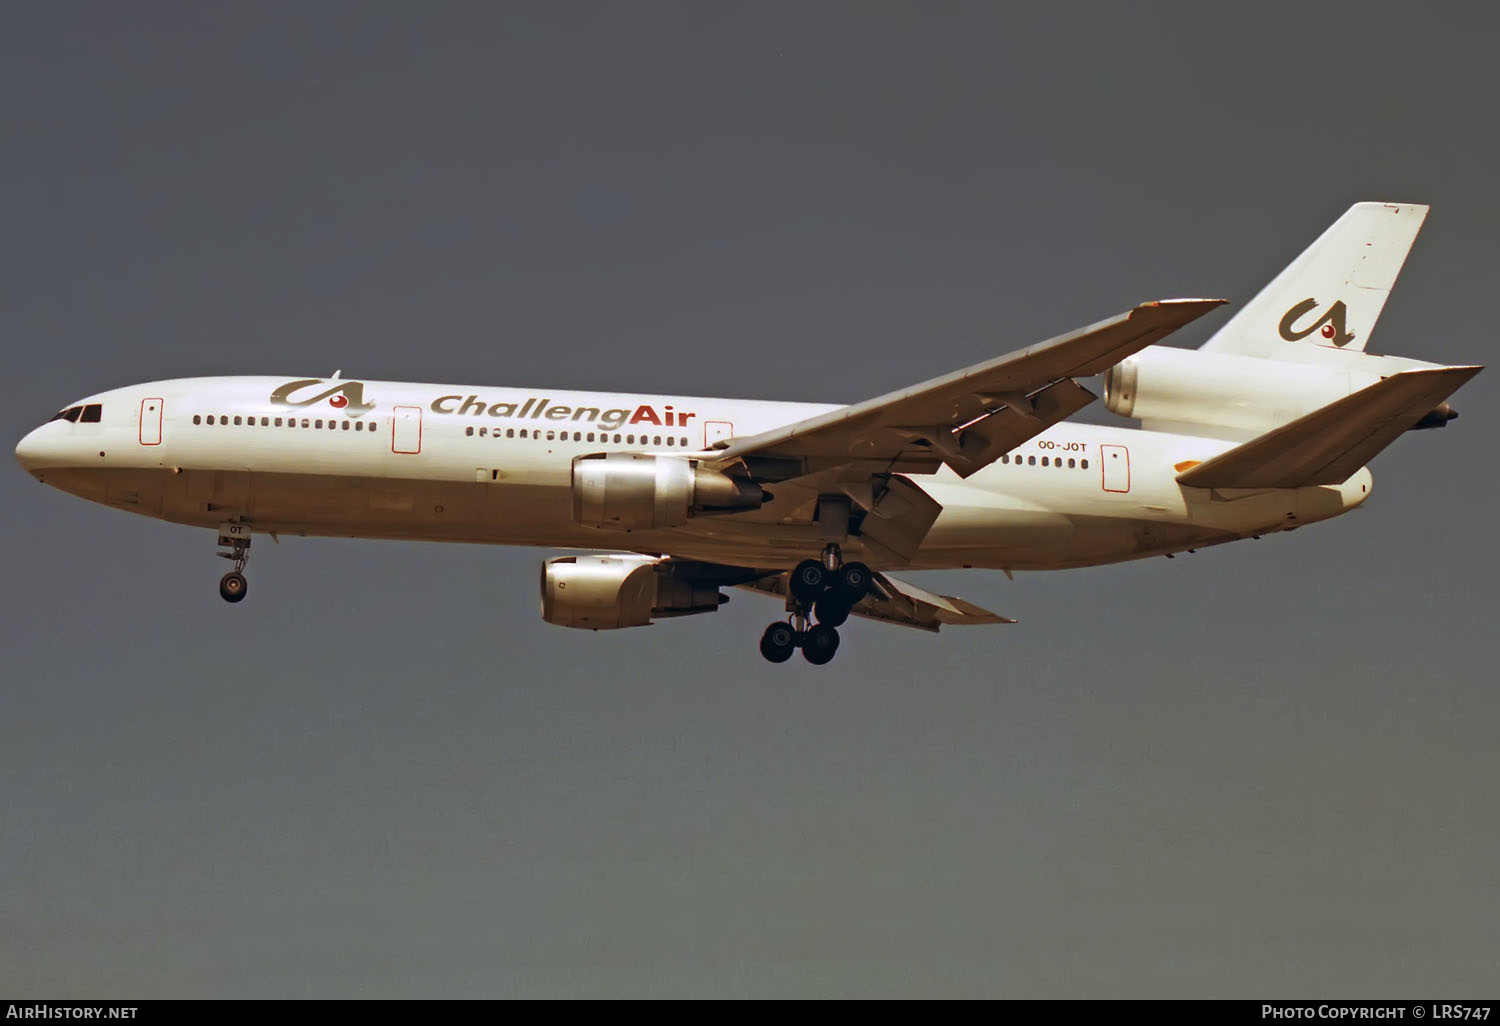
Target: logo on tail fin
1331,323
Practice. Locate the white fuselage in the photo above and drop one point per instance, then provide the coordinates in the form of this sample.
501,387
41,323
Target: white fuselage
494,465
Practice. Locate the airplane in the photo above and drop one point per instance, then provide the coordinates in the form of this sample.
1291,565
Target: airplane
671,499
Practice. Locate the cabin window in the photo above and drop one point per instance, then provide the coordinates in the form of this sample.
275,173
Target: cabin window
306,422
1084,464
1071,463
197,419
236,422
1044,461
1031,461
577,436
346,425
550,435
630,439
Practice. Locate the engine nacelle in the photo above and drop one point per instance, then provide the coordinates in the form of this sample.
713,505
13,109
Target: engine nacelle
1242,394
605,592
624,491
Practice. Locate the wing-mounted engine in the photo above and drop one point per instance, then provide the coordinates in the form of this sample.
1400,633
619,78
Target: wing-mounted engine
624,491
606,592
1234,396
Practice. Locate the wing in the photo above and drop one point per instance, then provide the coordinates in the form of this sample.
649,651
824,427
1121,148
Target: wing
966,419
899,602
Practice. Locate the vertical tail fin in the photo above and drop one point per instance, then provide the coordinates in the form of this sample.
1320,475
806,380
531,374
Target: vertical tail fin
1333,293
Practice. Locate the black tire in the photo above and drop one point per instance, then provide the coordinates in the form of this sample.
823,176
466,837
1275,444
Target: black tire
808,581
853,581
832,610
778,642
820,645
232,587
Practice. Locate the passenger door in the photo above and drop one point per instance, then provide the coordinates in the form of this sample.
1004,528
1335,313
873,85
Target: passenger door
1114,461
716,431
151,421
406,430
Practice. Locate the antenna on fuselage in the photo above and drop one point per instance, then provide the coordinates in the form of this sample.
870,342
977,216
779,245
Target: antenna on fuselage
336,374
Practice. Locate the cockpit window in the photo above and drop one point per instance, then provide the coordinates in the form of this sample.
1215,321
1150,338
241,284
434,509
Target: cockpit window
89,414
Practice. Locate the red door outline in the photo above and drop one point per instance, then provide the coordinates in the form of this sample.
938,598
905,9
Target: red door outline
403,420
1114,468
716,430
150,433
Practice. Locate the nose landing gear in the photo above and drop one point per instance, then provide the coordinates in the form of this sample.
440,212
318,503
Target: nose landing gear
235,537
828,590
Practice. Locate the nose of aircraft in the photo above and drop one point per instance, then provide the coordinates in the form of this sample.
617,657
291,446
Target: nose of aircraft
34,451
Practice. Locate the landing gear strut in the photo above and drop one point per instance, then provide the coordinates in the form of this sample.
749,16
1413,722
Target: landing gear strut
828,589
235,537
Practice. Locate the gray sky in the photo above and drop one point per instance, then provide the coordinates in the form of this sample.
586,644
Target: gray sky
1265,770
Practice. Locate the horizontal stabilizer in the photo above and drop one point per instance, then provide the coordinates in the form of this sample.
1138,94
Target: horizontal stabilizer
1327,446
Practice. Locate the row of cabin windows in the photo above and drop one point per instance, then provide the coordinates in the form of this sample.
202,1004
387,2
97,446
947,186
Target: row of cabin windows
578,436
1047,461
89,414
291,422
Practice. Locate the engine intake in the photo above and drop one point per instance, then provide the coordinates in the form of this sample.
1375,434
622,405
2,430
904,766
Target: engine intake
608,592
623,491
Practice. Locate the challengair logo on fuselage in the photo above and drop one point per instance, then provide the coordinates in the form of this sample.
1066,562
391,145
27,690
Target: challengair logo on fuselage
348,396
1331,323
536,408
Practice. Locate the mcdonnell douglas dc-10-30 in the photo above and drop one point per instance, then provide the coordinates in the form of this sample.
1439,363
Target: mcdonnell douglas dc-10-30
671,499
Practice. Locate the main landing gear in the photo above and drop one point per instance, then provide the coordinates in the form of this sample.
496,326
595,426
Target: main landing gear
235,537
827,590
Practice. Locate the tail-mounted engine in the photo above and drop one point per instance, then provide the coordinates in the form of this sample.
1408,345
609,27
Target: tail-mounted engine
624,491
605,592
1165,387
